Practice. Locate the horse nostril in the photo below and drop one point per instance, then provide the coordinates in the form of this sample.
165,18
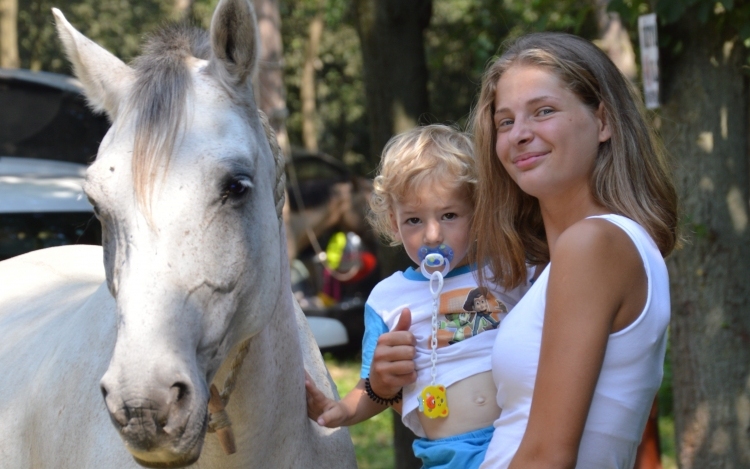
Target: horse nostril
103,389
177,409
178,391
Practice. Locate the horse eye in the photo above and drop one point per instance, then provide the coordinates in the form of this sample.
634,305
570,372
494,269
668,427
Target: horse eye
235,188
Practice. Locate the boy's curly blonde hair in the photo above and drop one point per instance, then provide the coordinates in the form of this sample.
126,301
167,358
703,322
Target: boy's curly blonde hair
432,154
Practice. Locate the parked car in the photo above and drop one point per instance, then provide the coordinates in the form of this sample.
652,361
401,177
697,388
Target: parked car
42,205
49,136
46,116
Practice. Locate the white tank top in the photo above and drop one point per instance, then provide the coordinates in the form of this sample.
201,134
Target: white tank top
630,377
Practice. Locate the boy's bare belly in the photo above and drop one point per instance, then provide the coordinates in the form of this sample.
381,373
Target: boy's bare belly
472,405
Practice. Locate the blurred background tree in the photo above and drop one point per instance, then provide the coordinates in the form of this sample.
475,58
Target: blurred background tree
9,34
704,122
457,37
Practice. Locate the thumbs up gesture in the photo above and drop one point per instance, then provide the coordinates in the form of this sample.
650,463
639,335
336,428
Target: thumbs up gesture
404,321
393,362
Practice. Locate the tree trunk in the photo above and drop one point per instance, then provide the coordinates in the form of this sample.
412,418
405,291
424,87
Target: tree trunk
269,84
614,39
307,88
391,33
705,125
9,34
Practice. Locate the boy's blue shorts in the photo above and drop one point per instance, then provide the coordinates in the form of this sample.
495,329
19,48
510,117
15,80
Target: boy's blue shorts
464,451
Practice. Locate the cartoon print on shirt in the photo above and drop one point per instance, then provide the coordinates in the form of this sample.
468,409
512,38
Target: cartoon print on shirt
468,312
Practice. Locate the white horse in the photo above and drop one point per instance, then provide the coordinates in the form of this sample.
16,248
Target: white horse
189,193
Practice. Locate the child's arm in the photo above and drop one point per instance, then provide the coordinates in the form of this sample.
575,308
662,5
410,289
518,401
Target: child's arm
355,407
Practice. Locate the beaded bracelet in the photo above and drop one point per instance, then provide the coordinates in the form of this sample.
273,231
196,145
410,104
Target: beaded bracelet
381,400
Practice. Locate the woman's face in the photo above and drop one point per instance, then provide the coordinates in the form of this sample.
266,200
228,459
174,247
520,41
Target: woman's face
547,139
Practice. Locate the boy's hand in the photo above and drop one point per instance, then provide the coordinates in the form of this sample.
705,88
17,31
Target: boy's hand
393,362
326,412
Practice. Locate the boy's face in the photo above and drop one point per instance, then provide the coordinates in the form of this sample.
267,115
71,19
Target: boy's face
435,213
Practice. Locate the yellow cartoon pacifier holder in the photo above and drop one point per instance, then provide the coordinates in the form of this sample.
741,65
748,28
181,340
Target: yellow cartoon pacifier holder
433,402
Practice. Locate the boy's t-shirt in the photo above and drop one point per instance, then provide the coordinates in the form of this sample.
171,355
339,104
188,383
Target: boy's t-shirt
468,317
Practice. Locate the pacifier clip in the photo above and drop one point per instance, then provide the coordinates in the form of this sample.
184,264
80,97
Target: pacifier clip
433,402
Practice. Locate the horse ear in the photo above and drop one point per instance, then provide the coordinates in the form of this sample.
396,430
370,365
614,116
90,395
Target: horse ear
104,77
234,40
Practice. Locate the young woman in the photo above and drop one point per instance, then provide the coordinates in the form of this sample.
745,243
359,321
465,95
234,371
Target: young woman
576,179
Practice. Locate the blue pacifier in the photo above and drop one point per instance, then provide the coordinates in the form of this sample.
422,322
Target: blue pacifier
439,256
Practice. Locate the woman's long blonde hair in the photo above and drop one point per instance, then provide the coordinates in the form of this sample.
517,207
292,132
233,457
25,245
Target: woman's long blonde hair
631,176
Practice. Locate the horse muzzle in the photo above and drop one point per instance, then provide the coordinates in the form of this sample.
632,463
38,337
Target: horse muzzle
161,427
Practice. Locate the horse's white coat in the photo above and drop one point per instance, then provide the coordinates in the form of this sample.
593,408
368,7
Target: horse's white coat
189,286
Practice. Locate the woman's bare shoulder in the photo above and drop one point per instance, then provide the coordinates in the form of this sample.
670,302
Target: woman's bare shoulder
596,260
595,240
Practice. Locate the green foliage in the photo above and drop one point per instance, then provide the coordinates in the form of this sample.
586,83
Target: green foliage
340,93
733,17
465,34
202,11
729,19
117,25
667,441
666,401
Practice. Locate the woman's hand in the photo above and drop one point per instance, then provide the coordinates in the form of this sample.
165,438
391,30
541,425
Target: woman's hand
392,365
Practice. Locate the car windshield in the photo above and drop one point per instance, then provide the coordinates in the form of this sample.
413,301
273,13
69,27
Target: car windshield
24,232
50,118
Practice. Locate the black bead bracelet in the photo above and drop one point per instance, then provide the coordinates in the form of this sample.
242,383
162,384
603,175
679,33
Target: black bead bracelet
381,400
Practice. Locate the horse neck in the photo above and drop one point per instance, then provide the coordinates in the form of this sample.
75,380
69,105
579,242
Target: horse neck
278,339
267,403
276,345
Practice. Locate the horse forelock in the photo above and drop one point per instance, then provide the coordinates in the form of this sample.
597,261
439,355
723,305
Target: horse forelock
158,103
158,99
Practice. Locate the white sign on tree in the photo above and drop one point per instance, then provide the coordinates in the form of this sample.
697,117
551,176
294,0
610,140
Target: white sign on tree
649,59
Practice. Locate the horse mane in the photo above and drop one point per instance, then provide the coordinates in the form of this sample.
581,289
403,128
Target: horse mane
158,99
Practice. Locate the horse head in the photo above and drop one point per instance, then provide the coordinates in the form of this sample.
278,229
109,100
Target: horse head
189,193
